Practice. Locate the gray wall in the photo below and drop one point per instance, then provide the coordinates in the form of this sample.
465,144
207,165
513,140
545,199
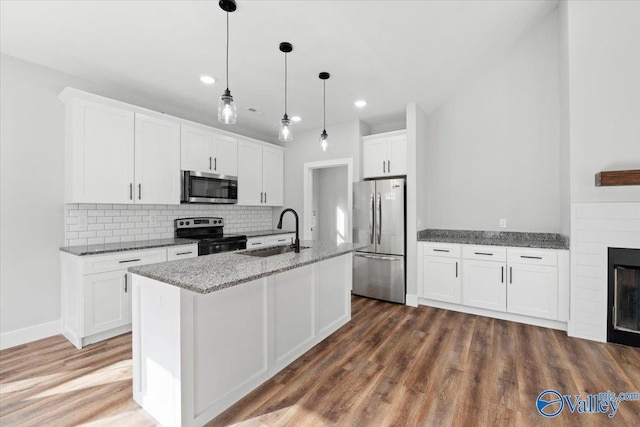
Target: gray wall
493,149
331,207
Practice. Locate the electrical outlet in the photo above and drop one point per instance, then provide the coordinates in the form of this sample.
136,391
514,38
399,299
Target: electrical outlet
153,221
503,223
82,218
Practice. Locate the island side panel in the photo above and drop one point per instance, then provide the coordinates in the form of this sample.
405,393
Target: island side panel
333,278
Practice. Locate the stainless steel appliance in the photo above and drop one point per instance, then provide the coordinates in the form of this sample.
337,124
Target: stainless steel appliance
210,235
201,187
379,222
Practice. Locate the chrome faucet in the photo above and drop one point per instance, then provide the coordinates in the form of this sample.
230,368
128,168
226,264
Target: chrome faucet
296,243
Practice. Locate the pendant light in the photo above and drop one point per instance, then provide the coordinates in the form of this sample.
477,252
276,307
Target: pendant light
285,124
227,113
324,143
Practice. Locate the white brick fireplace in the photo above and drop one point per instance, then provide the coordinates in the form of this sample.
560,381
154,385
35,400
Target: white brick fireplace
595,227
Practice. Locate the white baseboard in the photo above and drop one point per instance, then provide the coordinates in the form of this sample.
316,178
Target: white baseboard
32,333
412,300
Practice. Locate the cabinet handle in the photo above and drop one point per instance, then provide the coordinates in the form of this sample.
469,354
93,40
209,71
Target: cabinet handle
483,253
131,191
139,191
261,197
125,283
129,260
256,243
265,197
215,163
530,257
209,162
502,276
383,167
511,275
184,253
282,240
456,269
441,250
389,166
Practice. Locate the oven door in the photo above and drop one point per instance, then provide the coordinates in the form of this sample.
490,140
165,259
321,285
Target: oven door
201,187
207,247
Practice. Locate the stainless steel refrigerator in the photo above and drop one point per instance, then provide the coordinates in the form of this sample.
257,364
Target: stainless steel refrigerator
379,222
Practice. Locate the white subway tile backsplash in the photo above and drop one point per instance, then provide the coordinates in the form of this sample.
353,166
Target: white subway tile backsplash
115,223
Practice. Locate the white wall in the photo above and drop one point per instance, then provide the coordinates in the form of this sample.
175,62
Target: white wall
32,215
604,76
328,185
344,142
493,149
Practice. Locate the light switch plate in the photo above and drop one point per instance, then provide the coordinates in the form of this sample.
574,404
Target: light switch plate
503,223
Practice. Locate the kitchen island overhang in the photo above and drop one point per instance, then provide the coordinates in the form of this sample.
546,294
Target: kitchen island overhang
200,347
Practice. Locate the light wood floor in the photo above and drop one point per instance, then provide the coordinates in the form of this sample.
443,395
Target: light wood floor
391,365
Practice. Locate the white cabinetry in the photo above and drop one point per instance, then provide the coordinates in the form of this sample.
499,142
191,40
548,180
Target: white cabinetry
384,154
260,174
273,240
533,283
204,150
484,277
96,291
441,272
116,155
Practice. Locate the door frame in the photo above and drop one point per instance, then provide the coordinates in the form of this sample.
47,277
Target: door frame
307,192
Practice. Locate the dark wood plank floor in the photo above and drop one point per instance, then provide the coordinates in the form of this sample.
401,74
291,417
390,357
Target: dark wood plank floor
391,365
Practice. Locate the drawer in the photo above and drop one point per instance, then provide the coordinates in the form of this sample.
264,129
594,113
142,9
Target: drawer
485,253
180,252
448,250
279,239
255,242
532,256
122,260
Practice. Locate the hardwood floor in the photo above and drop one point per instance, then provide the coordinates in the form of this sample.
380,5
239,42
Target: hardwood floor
391,365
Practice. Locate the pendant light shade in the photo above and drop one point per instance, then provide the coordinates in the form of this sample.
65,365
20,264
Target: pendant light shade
285,133
324,136
227,112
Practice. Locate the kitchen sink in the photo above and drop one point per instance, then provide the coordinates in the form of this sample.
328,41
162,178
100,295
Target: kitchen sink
270,251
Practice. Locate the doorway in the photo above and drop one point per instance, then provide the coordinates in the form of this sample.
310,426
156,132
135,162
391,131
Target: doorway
328,200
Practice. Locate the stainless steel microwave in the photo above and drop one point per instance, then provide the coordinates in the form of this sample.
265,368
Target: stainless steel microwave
201,187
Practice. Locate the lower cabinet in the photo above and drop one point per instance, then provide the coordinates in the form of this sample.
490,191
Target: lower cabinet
96,291
273,240
519,281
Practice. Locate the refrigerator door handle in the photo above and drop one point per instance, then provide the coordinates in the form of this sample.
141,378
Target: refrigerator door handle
379,212
371,221
383,258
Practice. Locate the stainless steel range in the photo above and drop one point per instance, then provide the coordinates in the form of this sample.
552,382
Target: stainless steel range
209,234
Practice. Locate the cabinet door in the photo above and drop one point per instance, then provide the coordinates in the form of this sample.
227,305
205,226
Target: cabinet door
225,155
397,151
101,158
250,174
107,301
441,281
374,158
273,176
533,290
196,152
484,284
279,239
157,154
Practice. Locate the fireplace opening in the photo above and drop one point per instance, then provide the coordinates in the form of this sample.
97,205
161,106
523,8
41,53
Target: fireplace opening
624,296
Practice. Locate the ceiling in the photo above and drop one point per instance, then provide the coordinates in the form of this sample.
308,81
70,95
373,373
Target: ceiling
387,52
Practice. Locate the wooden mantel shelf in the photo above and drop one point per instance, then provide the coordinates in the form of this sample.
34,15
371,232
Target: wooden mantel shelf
609,178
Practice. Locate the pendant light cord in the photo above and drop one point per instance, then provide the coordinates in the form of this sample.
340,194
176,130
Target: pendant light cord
324,105
227,51
285,83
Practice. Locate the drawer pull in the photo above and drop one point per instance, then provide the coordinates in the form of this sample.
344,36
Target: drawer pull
530,257
483,253
441,250
184,253
282,240
256,243
129,260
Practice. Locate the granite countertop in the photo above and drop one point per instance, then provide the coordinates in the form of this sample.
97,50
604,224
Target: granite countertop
496,238
106,248
210,273
261,233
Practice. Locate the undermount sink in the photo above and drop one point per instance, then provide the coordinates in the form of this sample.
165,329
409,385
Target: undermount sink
270,251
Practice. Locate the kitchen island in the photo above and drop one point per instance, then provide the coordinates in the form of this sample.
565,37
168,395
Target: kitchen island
208,330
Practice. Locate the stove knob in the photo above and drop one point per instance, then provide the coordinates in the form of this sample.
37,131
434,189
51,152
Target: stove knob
181,222
187,222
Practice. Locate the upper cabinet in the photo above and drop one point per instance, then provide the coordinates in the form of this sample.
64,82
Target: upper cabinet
384,154
203,150
114,155
260,174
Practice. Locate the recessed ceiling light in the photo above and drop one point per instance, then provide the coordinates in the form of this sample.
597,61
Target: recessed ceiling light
295,119
207,79
360,103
